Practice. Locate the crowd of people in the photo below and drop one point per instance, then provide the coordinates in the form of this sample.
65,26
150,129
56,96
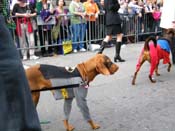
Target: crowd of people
73,20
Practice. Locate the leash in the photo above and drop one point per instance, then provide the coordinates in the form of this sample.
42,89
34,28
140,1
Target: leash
56,87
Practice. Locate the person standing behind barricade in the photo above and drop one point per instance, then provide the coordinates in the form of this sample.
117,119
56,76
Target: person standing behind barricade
78,24
62,23
32,4
101,20
92,11
24,28
168,21
45,32
148,14
113,27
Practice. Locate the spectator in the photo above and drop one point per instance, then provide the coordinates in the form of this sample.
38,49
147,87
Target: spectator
62,21
24,28
32,4
101,20
168,21
17,112
156,16
168,9
92,11
78,24
148,16
45,30
113,27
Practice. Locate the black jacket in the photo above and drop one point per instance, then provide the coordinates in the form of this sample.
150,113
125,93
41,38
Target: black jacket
111,10
17,112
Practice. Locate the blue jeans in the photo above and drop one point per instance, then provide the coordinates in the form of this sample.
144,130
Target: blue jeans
79,31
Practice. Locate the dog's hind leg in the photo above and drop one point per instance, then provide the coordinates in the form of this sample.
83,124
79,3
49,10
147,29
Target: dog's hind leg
140,63
67,110
169,67
35,97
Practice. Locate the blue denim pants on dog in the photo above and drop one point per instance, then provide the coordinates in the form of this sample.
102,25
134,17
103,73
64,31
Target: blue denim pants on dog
79,31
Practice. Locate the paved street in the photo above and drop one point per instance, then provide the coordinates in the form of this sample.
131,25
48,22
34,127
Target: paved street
113,102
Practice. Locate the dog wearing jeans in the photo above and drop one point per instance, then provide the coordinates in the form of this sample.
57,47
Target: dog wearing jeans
41,76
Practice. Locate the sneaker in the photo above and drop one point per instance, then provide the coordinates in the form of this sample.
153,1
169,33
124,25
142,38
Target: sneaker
123,46
82,49
75,50
24,57
34,57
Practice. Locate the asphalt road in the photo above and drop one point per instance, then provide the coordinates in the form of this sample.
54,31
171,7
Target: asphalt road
113,102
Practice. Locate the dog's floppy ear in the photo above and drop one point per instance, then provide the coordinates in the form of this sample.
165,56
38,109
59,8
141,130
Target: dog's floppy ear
101,68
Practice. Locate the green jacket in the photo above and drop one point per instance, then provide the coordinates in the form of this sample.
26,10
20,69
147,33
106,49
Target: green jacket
73,7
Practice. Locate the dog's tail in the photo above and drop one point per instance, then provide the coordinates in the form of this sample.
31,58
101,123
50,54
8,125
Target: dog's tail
151,38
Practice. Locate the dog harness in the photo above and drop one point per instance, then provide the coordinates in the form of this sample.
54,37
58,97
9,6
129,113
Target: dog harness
62,76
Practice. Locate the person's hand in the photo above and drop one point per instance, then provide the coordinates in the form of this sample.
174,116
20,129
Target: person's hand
83,15
96,15
173,24
27,15
46,20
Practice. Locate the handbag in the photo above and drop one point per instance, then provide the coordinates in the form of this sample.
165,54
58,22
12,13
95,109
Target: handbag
65,47
55,31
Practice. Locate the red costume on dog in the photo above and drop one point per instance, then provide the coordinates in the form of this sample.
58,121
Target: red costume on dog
161,51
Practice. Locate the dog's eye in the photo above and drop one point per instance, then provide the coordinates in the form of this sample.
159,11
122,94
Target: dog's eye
108,64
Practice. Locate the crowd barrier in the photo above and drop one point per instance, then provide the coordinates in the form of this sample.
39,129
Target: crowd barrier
133,26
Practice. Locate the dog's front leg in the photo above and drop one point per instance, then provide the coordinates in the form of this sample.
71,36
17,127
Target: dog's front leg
93,125
134,78
80,96
68,126
67,110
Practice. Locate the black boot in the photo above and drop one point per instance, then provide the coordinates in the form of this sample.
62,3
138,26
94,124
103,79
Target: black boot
102,47
117,52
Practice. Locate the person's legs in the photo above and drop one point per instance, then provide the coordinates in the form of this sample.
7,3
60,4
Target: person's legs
23,42
41,38
75,31
104,43
82,35
30,38
118,48
50,50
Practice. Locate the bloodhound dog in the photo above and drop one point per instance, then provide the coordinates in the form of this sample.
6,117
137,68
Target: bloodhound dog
153,51
42,76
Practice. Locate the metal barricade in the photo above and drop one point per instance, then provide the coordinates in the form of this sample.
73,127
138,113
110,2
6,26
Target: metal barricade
133,26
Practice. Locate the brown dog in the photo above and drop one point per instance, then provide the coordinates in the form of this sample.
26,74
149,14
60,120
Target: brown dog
41,76
153,51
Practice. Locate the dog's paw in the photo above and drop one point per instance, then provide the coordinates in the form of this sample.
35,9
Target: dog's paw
133,82
152,79
95,126
68,126
168,69
157,74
